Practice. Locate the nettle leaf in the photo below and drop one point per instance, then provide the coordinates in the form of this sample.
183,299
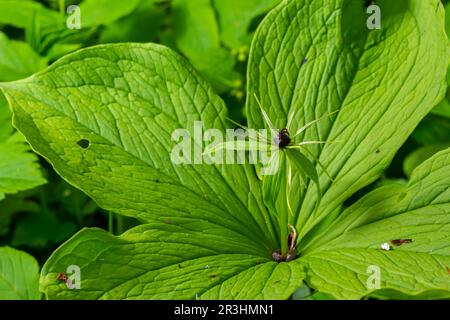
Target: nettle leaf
19,275
418,212
309,59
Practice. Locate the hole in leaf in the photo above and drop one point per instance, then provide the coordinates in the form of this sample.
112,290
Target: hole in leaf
83,143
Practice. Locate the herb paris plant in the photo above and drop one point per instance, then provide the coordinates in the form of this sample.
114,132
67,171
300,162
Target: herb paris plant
206,232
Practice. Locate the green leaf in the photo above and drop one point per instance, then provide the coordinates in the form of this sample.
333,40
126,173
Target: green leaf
443,108
418,212
18,60
19,13
196,34
305,167
275,184
168,261
129,127
142,25
6,128
420,155
11,206
433,129
19,169
124,163
306,65
39,229
447,19
103,12
236,17
19,275
275,187
410,273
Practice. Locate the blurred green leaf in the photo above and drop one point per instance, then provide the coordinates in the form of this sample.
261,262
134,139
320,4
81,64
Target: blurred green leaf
447,19
443,108
103,12
19,275
6,127
12,205
60,49
420,155
302,293
70,199
142,25
19,169
18,60
196,34
37,230
19,13
433,129
235,18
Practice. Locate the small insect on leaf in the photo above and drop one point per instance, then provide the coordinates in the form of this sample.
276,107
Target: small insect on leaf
448,270
62,277
283,139
399,242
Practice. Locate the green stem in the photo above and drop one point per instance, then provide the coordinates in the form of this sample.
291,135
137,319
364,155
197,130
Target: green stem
284,215
62,7
119,225
111,222
284,236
